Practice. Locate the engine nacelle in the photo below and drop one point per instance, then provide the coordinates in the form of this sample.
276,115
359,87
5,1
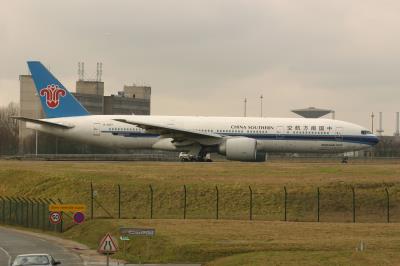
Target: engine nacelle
242,149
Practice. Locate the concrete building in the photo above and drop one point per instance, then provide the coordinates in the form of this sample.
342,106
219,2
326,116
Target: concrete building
115,104
132,100
91,95
29,107
139,92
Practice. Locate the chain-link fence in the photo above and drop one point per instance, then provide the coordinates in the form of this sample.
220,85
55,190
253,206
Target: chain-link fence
338,203
335,203
28,212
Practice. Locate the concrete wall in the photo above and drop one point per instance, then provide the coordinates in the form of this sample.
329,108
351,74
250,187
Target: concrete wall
92,102
90,87
126,106
139,92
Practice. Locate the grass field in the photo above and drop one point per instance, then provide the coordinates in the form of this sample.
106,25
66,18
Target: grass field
229,241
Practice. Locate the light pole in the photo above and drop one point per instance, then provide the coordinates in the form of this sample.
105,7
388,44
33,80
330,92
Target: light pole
245,107
372,122
261,105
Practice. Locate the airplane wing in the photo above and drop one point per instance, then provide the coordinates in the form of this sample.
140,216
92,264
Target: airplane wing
42,122
178,134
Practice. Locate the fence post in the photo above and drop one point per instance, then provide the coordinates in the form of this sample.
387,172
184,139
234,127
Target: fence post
27,211
354,203
251,204
217,203
151,202
48,202
10,209
37,213
119,201
31,205
40,221
184,201
62,220
16,210
387,205
285,202
21,221
43,214
51,201
91,200
3,209
318,195
32,212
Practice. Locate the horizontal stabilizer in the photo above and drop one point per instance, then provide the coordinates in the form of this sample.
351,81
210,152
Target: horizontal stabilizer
42,122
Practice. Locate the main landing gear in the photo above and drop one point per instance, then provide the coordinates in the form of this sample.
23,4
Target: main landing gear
186,157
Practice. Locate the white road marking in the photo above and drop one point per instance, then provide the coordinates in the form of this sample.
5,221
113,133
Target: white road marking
8,255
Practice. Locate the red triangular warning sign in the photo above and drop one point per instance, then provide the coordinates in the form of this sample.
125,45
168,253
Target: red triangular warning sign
108,245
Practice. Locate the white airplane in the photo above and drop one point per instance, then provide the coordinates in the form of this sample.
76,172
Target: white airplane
238,138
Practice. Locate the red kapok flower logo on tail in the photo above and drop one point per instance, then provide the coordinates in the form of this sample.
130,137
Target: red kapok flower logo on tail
53,94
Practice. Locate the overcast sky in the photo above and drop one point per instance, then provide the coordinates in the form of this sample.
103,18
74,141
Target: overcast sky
204,57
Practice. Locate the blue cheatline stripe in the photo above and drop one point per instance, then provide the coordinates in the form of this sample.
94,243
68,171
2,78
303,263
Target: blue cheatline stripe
369,140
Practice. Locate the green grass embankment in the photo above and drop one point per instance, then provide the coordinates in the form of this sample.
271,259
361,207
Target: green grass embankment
228,242
70,181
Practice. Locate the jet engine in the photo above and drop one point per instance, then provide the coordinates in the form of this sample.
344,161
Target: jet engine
242,149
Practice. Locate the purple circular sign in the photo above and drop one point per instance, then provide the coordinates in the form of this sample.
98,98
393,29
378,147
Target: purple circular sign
79,217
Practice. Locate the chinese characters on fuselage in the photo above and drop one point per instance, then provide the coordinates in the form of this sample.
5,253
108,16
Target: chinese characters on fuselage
289,127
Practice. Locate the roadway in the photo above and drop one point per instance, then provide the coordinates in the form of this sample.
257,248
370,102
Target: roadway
13,243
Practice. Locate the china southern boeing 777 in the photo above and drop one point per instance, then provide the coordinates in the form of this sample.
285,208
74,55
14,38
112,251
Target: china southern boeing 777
238,138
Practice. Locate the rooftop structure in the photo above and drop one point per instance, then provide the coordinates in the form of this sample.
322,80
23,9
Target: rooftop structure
312,112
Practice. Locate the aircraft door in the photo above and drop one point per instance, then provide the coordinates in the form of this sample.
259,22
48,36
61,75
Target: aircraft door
96,129
280,143
339,134
279,132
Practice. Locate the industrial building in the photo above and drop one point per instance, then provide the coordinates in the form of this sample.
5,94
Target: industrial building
131,100
29,107
131,96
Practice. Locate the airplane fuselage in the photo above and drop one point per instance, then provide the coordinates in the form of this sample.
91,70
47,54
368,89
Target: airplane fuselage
272,134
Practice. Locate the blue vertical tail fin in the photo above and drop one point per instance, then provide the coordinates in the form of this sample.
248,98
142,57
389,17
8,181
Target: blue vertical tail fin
56,100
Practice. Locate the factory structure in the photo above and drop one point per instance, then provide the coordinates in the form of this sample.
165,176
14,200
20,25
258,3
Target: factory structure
132,99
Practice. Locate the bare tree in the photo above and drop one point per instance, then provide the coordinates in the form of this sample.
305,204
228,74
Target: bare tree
9,129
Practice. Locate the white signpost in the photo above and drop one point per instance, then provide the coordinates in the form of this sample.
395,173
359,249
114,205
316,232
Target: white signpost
126,233
137,231
108,246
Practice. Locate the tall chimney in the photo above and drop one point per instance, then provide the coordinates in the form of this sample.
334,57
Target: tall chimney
397,132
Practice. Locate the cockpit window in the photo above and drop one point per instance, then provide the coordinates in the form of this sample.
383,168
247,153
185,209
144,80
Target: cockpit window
365,132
